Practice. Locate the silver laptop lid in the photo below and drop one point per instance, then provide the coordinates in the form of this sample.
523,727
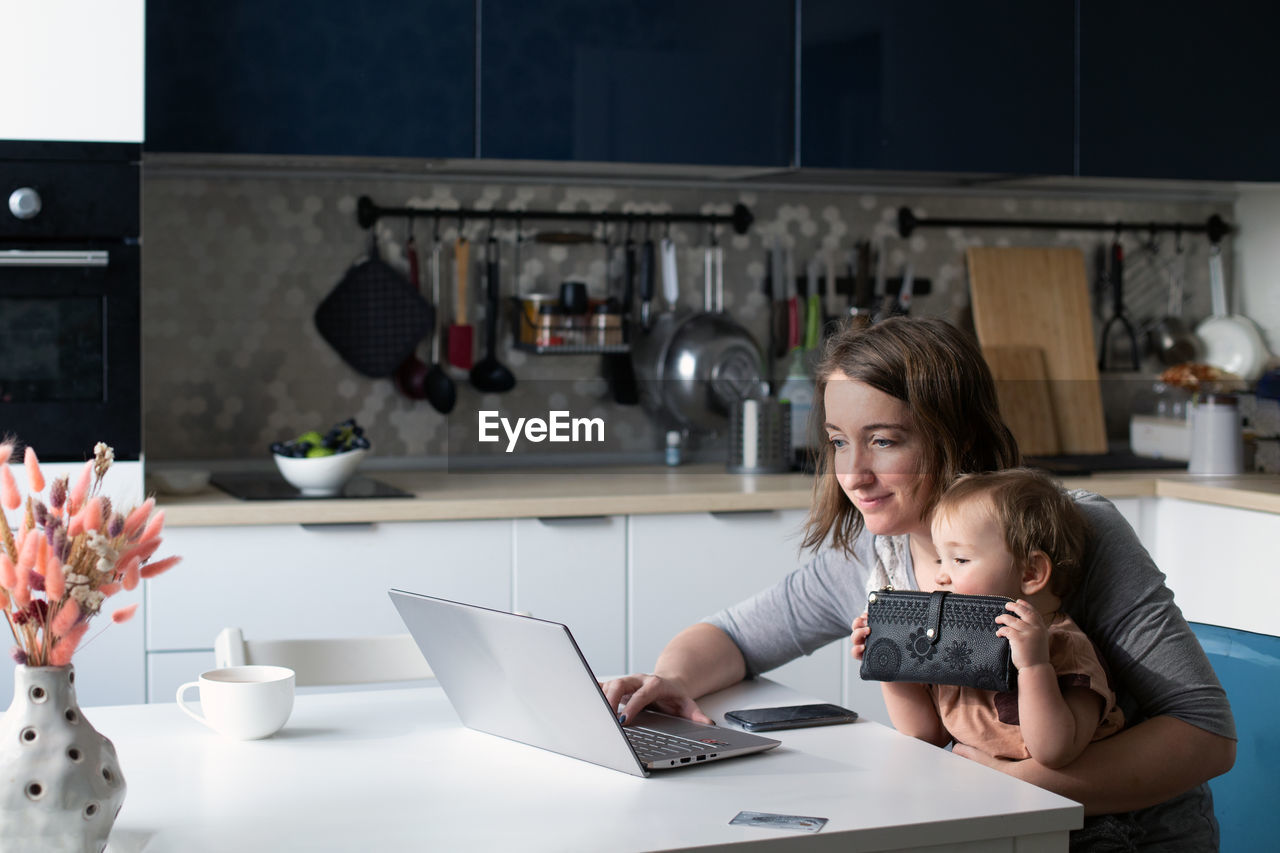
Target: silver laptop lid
517,677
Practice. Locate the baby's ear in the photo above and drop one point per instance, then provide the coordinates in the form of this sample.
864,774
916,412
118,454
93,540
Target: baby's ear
1036,573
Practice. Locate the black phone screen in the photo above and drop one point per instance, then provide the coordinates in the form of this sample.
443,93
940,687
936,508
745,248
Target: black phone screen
791,716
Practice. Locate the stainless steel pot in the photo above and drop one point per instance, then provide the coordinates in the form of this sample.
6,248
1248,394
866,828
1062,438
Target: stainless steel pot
693,366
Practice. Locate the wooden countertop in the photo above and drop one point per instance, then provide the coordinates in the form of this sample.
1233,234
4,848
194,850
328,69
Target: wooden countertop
632,490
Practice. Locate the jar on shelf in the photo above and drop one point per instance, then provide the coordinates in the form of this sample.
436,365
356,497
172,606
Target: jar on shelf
530,307
606,327
550,331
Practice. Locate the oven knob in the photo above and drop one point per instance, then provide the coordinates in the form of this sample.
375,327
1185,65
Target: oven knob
25,203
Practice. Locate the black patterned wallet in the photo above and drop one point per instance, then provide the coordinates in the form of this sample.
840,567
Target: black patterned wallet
937,638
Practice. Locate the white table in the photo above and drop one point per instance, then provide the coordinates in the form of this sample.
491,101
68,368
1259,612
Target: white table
394,770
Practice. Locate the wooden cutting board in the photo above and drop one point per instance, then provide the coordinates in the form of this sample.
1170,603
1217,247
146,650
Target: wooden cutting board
1040,298
1022,386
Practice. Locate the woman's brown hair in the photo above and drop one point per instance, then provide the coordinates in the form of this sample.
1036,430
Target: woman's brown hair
940,374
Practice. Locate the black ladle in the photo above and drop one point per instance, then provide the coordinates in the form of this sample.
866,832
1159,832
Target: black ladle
489,376
440,391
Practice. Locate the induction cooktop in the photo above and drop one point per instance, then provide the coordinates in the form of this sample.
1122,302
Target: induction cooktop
272,487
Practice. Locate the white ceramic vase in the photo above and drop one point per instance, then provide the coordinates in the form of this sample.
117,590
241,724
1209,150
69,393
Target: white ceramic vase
60,783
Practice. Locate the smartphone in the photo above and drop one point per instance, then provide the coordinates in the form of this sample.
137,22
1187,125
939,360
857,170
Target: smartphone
790,717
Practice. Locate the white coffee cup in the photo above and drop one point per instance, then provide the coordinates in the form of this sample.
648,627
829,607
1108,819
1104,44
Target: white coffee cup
243,702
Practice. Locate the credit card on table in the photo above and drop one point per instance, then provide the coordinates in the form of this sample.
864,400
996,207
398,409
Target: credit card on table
780,821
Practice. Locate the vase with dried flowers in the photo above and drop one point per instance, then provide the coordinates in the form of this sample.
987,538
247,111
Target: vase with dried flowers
61,560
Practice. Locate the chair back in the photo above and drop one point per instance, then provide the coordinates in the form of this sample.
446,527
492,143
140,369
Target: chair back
324,662
1248,665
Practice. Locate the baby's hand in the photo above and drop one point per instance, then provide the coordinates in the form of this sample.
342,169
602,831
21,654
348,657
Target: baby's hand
1027,633
860,633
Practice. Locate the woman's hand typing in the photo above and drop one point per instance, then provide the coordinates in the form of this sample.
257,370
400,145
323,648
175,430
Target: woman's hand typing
634,693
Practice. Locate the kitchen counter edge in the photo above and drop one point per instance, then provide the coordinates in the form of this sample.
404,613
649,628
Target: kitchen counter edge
557,493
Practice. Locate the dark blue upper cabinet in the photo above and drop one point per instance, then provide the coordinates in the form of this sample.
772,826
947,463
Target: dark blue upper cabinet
392,79
938,85
1181,89
644,81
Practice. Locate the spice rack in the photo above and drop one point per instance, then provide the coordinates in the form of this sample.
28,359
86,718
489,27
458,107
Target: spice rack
554,333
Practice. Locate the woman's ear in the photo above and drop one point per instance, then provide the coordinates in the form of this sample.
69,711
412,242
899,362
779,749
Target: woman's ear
1036,573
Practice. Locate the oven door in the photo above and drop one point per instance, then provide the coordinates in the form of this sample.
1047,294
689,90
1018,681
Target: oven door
70,366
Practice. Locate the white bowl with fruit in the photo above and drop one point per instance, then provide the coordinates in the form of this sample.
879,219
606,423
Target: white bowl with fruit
320,465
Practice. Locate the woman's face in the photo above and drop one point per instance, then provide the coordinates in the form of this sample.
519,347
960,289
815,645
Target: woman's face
878,457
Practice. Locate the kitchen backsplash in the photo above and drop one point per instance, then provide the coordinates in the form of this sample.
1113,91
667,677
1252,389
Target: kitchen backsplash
235,263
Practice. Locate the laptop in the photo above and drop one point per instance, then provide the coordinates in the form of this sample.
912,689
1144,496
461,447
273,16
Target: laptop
525,679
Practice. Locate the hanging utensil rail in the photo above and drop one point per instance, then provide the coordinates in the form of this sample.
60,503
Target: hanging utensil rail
1215,226
367,213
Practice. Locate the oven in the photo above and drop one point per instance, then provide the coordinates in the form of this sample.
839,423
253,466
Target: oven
70,336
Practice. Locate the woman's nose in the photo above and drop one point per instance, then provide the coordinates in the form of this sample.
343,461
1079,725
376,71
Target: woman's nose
854,472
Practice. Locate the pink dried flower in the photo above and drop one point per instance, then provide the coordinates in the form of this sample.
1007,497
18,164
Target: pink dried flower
65,647
20,594
93,514
27,552
81,489
55,582
143,550
138,518
124,563
9,488
124,614
68,613
34,476
150,570
18,655
58,494
130,577
48,601
154,526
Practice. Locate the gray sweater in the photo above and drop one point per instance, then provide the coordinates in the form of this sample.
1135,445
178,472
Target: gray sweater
1157,664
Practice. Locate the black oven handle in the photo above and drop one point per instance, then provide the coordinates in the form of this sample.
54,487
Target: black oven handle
53,258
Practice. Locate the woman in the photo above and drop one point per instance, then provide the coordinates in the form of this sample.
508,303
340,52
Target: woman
908,405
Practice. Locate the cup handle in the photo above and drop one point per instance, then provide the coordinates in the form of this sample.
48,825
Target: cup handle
185,707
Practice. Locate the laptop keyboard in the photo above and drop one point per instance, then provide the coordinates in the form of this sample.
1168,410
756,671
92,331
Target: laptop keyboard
653,745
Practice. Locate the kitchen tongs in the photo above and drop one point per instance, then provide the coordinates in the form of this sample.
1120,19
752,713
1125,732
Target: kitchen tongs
1118,316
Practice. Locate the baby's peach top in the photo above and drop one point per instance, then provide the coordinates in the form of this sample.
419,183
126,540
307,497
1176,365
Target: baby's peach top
989,720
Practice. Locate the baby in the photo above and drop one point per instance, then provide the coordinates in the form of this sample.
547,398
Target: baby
1017,534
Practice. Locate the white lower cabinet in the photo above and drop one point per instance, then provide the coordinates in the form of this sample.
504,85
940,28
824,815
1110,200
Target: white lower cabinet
684,567
624,585
277,581
1219,562
573,570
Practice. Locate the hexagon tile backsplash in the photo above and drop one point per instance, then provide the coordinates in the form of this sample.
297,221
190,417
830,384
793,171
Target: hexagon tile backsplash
235,264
